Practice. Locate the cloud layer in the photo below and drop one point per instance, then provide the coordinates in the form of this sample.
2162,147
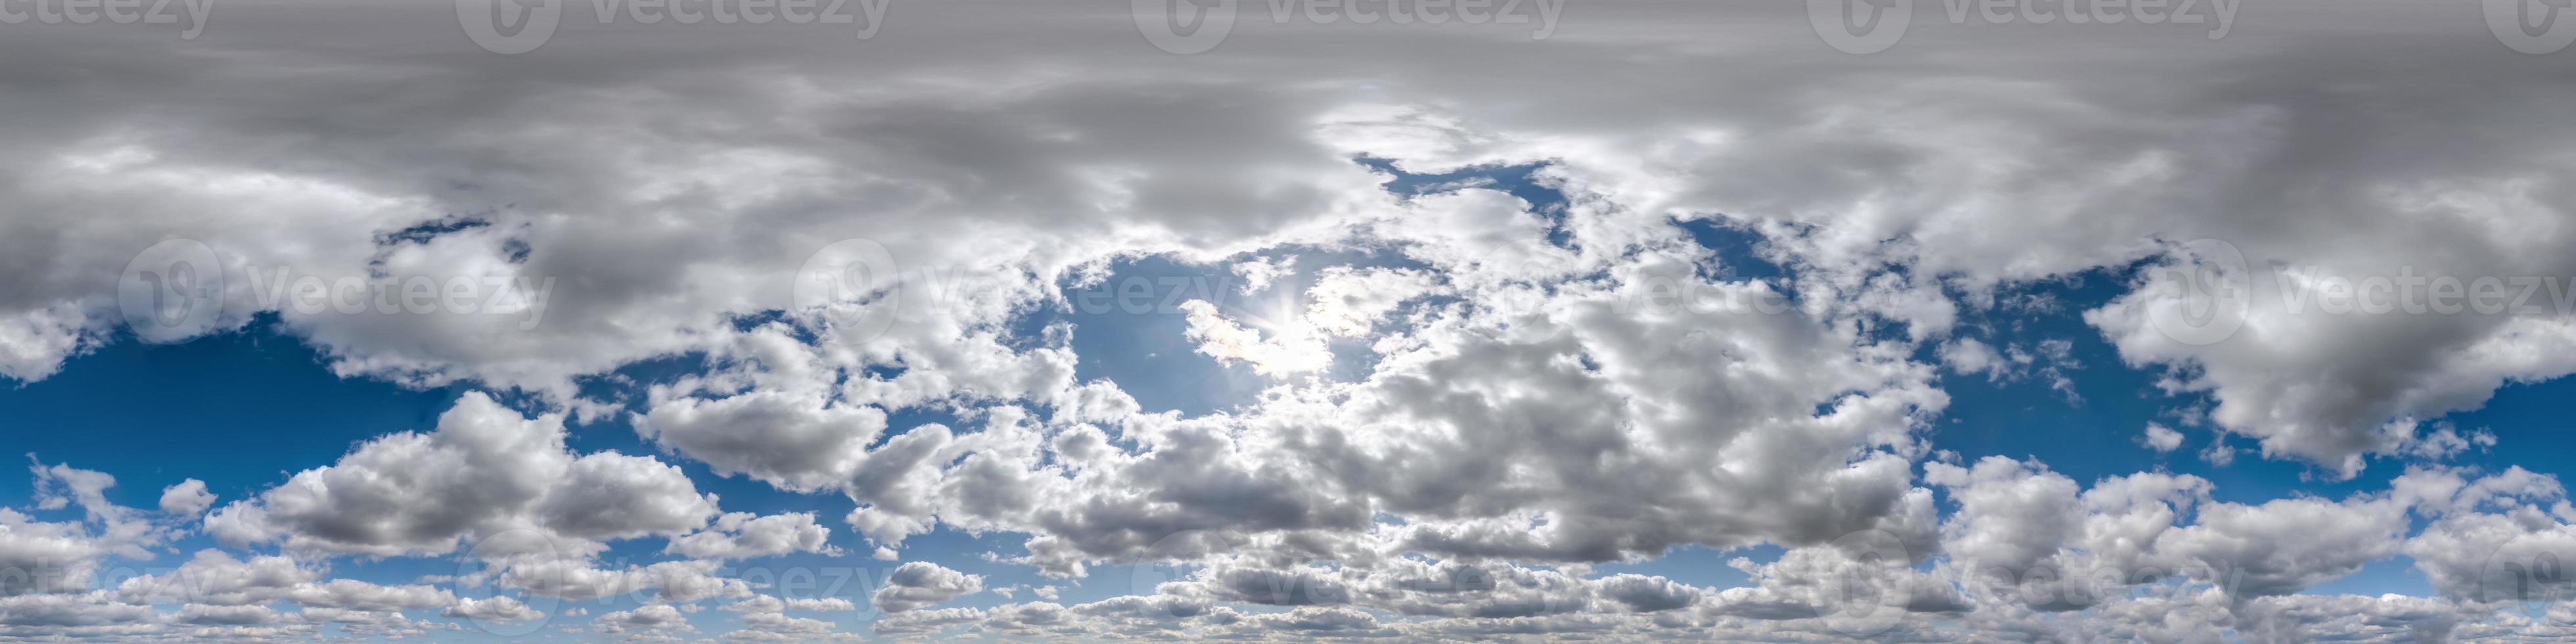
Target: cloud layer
1470,400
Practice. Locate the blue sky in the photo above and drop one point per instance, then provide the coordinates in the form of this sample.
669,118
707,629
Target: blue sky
242,409
1624,321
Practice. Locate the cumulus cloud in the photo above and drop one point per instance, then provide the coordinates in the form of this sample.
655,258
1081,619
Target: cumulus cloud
189,498
1646,594
2034,535
46,557
486,471
737,535
646,618
216,578
2162,438
1275,350
500,609
1544,386
764,617
919,584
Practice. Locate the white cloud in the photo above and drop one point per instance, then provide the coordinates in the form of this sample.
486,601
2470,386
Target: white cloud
188,498
485,472
920,584
1967,355
1258,273
47,557
738,535
499,609
649,617
1272,349
1347,302
1547,389
2162,438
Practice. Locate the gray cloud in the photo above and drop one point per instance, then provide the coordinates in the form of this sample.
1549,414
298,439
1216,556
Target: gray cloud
1526,411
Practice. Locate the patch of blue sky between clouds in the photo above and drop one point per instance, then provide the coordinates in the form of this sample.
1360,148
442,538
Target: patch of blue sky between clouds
241,410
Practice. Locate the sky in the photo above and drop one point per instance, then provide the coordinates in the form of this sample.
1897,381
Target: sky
1291,320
